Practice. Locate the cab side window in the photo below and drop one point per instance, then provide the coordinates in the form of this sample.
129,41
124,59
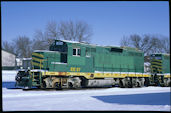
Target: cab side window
76,52
88,52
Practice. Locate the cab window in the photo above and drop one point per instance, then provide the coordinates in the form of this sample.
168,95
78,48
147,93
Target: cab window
76,52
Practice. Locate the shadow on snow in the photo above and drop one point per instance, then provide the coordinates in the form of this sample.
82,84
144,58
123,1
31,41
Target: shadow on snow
9,85
138,99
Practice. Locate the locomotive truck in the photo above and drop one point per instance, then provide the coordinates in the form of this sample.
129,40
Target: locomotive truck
71,64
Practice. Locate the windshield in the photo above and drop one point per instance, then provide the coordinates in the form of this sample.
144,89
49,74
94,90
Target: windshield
58,46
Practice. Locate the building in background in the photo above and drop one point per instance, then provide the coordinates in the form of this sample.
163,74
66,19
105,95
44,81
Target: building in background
8,60
19,62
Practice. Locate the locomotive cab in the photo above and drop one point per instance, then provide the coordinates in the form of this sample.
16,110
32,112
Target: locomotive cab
61,47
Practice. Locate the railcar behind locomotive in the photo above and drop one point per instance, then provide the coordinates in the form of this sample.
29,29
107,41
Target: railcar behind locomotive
160,69
70,64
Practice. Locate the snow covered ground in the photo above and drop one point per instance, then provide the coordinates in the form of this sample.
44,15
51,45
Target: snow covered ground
122,99
8,76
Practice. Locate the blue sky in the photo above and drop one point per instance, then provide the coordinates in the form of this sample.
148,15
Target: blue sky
110,21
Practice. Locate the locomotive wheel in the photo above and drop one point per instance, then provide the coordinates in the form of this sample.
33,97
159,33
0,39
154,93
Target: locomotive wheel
121,84
129,84
167,83
58,85
137,84
43,85
70,85
146,82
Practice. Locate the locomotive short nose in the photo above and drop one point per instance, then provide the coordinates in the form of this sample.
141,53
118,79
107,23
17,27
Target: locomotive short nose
17,78
22,78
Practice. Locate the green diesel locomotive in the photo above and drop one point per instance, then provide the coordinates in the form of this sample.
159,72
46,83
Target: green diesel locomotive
160,69
71,64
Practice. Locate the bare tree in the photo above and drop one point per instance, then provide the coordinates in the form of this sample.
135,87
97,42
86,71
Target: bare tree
51,29
125,41
51,32
67,30
145,45
135,41
149,44
23,47
40,41
165,45
77,31
8,46
138,42
155,43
